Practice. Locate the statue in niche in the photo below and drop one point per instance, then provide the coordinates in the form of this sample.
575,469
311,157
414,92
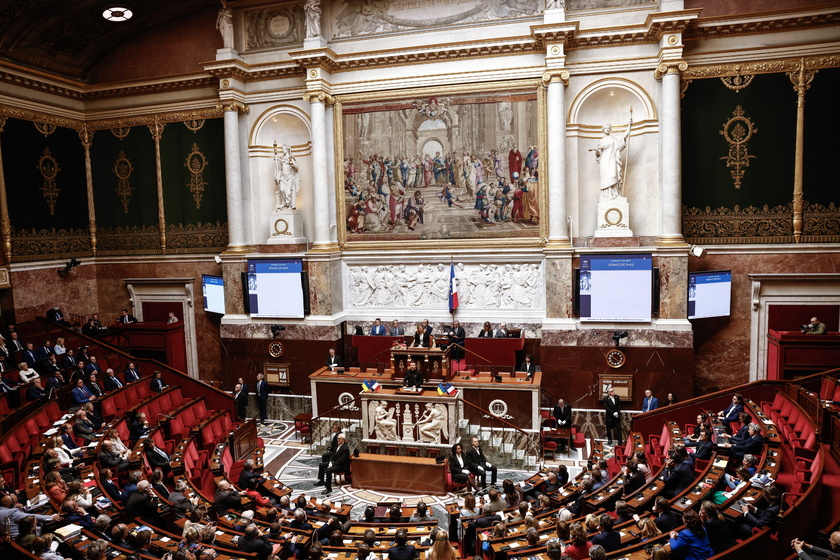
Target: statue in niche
382,421
506,115
286,178
312,10
608,158
224,23
432,423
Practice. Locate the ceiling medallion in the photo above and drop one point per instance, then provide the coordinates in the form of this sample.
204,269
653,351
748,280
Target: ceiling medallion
117,13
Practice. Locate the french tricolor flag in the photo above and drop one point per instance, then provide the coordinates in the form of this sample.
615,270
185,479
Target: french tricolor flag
453,289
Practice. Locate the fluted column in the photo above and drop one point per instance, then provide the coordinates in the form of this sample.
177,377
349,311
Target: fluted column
233,174
558,228
670,166
801,79
5,222
320,176
86,136
156,129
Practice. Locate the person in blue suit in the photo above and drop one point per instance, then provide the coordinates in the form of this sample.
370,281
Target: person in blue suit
732,411
649,402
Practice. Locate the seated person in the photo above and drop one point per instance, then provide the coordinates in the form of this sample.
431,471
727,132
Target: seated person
679,475
333,361
753,445
501,332
814,327
413,377
758,518
608,538
378,329
422,338
730,414
421,513
528,366
486,331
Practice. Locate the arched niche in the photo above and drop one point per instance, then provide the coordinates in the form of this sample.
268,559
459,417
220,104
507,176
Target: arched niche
608,101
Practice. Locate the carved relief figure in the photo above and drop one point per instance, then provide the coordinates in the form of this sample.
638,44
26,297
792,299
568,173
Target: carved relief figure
224,23
383,423
286,178
312,10
433,423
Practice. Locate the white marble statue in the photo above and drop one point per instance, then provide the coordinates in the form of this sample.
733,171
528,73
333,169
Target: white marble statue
383,423
608,158
312,9
224,23
286,178
432,424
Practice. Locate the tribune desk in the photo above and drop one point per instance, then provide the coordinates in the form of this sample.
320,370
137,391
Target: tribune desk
413,475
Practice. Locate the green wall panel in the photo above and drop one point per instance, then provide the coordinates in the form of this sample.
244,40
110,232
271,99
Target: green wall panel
770,103
180,204
23,147
142,206
822,117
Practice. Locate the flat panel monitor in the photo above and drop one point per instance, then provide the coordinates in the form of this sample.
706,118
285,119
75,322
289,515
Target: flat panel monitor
275,288
213,292
616,288
709,294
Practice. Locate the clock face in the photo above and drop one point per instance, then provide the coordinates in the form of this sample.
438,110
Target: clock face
275,349
616,358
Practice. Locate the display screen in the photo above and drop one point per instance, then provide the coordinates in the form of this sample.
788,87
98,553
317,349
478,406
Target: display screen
275,288
709,294
616,288
213,292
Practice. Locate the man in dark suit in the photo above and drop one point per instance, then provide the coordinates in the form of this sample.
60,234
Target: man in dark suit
528,366
730,414
15,345
299,522
138,428
753,445
240,399
397,329
340,462
125,318
45,351
157,384
705,447
226,497
501,332
34,392
131,373
612,407
401,550
427,328
262,397
679,475
80,394
92,367
649,402
55,382
252,541
68,360
333,361
413,377
157,457
48,367
758,518
457,337
248,474
93,386
609,539
327,456
563,415
110,458
29,356
378,329
112,382
142,503
180,503
478,464
55,315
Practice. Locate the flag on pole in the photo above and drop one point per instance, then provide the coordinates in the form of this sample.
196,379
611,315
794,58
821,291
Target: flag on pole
369,386
453,289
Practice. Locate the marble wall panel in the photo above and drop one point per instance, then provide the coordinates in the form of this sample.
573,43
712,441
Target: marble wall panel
673,282
558,287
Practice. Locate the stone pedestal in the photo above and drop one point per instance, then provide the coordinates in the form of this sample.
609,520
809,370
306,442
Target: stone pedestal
613,217
285,227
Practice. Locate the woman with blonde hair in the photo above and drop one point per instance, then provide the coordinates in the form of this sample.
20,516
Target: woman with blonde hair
79,494
590,523
441,549
648,528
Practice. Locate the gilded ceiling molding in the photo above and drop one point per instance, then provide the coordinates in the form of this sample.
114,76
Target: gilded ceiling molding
524,86
761,67
213,112
243,72
40,117
785,22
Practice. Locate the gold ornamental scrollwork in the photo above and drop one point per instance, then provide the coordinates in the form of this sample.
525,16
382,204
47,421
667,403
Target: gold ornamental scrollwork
123,170
670,66
196,163
738,225
194,125
737,82
236,106
121,131
561,75
737,131
48,168
763,66
45,128
319,97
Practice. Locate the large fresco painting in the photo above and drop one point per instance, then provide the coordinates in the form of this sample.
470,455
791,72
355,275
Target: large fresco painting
442,167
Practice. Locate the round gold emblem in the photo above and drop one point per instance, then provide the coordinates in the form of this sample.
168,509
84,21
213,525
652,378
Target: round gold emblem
613,212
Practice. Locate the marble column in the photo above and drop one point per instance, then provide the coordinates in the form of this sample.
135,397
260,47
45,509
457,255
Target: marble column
558,228
320,176
86,136
331,171
233,175
247,218
670,167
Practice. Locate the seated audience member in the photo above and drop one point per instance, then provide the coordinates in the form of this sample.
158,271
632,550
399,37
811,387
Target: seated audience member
742,478
743,432
649,402
749,462
68,360
26,373
42,548
378,329
92,367
84,428
141,541
56,487
253,541
597,480
608,538
71,512
48,366
119,535
730,414
528,365
79,494
227,497
181,504
80,394
705,447
622,512
34,392
106,484
93,386
401,550
442,549
133,479
520,514
131,374
579,548
333,360
500,332
26,533
142,503
634,479
244,520
396,329
806,551
156,480
486,330
125,318
576,507
252,492
814,327
666,519
138,428
44,351
55,382
93,416
10,510
648,529
30,358
112,382
157,384
670,399
757,518
157,457
421,513
717,528
691,543
679,475
458,468
422,338
753,445
55,315
58,348
68,441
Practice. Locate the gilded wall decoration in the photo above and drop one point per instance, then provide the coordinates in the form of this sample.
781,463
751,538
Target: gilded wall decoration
48,168
209,237
737,225
360,17
737,131
274,27
128,240
196,163
34,245
194,124
44,128
442,167
121,131
123,169
737,82
821,223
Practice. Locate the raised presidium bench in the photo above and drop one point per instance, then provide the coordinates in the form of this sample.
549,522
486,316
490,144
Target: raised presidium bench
413,475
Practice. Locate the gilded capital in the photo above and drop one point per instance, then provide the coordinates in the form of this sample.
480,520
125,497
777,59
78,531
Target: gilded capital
319,97
670,67
231,105
86,136
556,75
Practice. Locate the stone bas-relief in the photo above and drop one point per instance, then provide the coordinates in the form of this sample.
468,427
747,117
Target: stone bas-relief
482,286
384,422
274,27
464,167
578,5
365,17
